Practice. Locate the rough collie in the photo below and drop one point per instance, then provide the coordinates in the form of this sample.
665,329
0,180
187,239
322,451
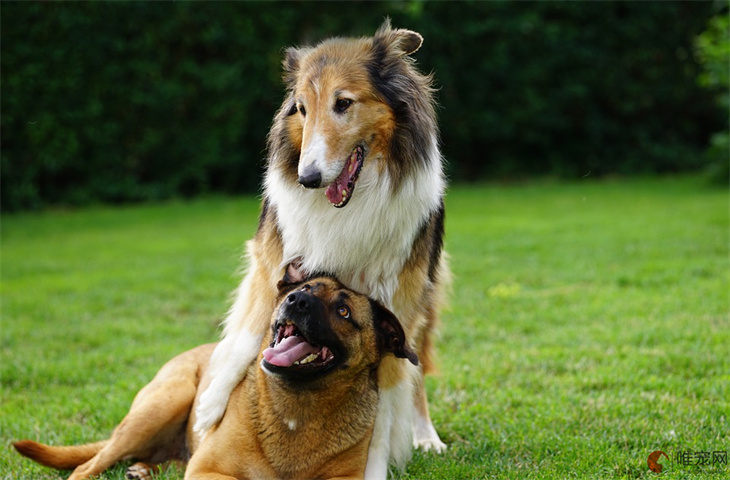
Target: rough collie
354,189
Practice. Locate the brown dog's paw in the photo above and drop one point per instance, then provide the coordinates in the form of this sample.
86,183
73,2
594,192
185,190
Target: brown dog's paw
139,471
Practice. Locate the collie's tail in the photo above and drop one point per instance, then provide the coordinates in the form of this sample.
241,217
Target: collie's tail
62,458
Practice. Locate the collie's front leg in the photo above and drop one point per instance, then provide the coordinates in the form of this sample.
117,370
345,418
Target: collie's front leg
245,328
425,436
228,364
392,435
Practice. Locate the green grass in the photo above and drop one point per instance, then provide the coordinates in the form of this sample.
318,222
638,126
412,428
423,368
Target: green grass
588,324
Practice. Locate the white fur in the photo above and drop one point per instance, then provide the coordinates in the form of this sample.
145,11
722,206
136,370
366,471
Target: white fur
291,423
316,154
230,357
425,436
392,433
366,243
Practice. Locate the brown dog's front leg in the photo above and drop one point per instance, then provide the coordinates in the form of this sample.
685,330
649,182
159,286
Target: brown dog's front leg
148,471
140,471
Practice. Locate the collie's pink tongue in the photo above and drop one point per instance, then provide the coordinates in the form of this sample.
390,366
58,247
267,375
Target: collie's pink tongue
340,190
288,351
337,192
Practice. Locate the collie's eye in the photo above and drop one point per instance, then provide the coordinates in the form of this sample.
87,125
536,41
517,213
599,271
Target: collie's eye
342,104
292,110
343,312
302,110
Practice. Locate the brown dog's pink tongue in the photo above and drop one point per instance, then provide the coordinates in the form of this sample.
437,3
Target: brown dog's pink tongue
288,351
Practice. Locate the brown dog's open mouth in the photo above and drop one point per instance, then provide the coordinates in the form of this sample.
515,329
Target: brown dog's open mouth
291,350
340,191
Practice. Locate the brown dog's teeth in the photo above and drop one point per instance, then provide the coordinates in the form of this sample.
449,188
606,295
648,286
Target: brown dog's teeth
324,353
308,359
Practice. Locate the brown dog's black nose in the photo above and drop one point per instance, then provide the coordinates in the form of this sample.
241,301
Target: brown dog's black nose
311,177
300,301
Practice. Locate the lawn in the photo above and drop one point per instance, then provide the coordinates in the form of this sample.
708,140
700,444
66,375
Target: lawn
588,324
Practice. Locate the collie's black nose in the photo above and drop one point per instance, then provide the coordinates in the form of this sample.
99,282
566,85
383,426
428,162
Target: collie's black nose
311,177
300,301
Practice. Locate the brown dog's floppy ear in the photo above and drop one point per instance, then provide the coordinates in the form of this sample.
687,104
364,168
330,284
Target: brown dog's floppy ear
283,286
390,334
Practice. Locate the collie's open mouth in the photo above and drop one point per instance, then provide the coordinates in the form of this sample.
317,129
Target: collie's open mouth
290,350
340,191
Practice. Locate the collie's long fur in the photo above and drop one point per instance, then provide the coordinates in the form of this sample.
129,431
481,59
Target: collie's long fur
357,127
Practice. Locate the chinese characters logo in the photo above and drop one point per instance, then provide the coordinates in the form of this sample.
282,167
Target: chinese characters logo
688,457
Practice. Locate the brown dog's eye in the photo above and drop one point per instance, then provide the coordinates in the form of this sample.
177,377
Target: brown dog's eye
343,312
342,104
302,110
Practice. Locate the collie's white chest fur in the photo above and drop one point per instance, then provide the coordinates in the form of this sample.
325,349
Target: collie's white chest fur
366,243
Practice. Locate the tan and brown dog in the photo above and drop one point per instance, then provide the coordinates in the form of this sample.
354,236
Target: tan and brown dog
305,410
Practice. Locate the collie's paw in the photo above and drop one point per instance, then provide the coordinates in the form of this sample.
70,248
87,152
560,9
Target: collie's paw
430,444
139,471
425,436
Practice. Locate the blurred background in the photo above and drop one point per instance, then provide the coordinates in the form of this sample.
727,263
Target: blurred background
118,102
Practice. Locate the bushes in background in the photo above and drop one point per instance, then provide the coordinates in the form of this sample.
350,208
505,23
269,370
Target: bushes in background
713,50
135,101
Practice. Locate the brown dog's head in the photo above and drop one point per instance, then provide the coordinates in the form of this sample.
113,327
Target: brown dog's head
320,327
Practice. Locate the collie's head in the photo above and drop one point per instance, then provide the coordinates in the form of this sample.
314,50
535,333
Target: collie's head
354,107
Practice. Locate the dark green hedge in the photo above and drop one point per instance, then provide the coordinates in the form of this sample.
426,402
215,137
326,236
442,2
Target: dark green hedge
133,101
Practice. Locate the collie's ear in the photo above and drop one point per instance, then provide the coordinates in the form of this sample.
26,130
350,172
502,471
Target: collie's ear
410,41
291,59
400,41
291,64
390,334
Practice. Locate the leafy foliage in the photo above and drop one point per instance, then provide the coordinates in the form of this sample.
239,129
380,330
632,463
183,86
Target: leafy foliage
109,101
713,51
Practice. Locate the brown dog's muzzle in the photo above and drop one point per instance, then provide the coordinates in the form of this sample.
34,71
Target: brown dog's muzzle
304,344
